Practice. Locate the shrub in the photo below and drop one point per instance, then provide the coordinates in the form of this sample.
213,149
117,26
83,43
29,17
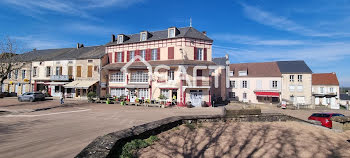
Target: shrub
91,95
130,149
191,126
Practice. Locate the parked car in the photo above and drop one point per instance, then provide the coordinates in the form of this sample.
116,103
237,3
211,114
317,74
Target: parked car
324,118
31,96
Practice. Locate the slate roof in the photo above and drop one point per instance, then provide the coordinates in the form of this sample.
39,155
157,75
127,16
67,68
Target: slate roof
298,66
325,79
93,52
220,61
344,97
189,32
139,64
264,69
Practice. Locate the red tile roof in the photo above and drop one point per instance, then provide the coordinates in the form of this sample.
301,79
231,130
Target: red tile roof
325,79
266,69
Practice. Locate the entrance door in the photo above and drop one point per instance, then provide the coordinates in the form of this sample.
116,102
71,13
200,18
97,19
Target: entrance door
132,96
196,97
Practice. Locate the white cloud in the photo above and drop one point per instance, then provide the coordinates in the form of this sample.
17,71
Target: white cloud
78,8
283,23
249,40
39,42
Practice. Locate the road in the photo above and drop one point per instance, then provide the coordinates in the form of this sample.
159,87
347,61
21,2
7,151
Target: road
65,131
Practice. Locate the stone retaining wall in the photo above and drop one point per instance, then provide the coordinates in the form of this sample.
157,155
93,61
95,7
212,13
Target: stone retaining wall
111,144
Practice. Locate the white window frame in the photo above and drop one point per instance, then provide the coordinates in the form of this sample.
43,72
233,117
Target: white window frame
233,94
200,53
242,73
291,89
35,69
23,74
331,90
245,84
117,77
300,78
171,75
16,74
244,95
143,92
143,54
139,77
154,54
118,92
48,71
120,39
232,73
172,33
274,84
132,55
321,90
58,71
300,89
165,92
120,56
291,78
143,36
232,84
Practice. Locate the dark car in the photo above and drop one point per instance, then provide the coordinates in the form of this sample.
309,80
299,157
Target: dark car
324,118
31,96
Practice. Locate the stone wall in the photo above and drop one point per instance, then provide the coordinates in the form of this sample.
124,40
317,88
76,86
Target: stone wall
111,144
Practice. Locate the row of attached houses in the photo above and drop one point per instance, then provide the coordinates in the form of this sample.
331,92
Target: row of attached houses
172,64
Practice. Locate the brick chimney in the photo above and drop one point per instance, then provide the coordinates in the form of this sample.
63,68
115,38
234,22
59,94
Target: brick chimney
78,45
204,32
113,38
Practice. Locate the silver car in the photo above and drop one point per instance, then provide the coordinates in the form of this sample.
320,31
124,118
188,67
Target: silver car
31,96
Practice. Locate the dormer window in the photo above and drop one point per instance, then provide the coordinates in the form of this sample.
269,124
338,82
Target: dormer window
171,32
143,36
120,39
242,73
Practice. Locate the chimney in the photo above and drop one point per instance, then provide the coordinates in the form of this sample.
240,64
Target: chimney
81,46
113,38
204,32
78,45
34,50
333,73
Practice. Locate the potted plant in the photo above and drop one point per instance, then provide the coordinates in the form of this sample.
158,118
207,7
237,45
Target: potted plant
122,100
108,100
90,96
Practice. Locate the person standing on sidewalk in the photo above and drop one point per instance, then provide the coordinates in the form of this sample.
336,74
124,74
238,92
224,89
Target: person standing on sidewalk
61,98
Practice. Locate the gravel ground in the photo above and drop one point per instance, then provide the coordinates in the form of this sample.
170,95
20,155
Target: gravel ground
244,139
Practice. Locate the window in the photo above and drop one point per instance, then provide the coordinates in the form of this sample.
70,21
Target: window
143,36
244,84
139,76
118,92
117,77
171,33
232,73
9,75
291,88
199,53
58,71
16,74
143,93
291,98
143,54
23,74
233,84
199,72
132,55
331,90
300,78
244,95
242,73
171,75
90,61
300,88
321,90
48,71
35,71
231,94
78,71
120,39
274,84
291,78
119,57
164,92
70,62
154,55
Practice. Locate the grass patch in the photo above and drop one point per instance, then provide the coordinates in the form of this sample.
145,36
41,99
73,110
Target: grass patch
191,126
130,149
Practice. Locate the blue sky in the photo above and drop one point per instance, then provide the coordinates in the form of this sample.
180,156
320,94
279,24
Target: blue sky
316,31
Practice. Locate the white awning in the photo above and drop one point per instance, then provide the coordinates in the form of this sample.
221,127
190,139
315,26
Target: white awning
55,83
83,84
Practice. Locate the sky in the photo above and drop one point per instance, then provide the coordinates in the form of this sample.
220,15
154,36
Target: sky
316,31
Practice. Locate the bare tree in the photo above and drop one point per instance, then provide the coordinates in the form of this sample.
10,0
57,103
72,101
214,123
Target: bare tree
10,59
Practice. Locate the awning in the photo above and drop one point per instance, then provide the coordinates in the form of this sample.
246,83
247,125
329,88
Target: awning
83,84
137,86
56,83
267,94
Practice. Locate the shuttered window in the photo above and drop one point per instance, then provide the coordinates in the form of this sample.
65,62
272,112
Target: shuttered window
171,53
89,71
78,71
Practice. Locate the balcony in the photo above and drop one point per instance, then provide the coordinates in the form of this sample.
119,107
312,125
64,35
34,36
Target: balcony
61,77
324,94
